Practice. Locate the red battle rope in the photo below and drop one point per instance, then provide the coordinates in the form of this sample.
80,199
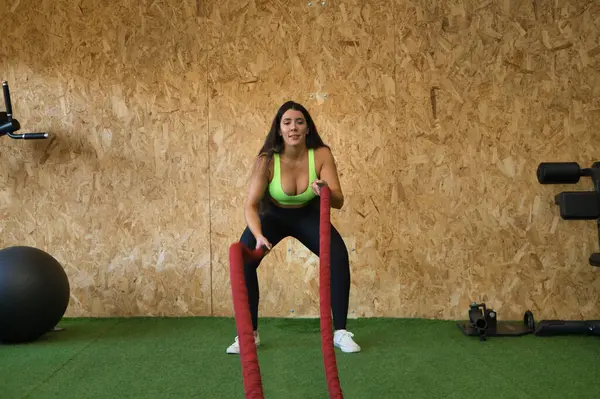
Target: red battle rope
238,252
248,356
329,361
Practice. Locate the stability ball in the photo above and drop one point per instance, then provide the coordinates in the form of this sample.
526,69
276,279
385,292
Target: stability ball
34,293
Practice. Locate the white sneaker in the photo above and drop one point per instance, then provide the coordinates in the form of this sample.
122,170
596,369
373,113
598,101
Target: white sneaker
235,347
343,340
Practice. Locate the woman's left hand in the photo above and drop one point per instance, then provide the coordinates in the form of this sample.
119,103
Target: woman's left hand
316,186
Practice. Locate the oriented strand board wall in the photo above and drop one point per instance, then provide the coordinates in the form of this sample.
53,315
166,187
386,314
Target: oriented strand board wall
438,114
120,194
517,83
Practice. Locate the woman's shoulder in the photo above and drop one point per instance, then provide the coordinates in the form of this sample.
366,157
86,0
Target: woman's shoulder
323,153
323,150
262,162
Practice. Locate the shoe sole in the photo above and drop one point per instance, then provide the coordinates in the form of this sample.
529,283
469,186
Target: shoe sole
340,348
346,350
237,353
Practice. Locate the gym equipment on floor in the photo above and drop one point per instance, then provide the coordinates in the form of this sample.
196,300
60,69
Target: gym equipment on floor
573,205
483,322
548,328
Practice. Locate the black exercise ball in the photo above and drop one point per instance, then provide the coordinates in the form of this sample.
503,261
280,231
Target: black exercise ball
34,293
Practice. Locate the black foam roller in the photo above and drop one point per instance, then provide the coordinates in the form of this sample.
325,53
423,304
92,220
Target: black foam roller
558,172
561,327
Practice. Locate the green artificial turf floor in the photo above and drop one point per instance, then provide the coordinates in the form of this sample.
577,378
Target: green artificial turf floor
401,358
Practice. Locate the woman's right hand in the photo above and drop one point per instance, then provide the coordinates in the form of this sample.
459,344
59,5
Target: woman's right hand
261,240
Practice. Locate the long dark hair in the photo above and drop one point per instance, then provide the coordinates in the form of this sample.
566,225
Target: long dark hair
274,142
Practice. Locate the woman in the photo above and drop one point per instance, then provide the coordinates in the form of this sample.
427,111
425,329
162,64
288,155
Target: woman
283,201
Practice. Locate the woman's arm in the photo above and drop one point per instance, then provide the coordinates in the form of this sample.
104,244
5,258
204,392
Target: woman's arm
329,174
259,181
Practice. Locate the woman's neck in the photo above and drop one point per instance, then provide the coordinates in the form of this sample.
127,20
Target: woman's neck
294,153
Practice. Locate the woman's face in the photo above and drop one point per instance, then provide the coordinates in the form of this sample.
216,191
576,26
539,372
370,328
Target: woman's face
293,127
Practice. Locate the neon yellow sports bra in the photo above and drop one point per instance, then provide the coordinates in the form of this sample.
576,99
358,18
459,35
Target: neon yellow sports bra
276,191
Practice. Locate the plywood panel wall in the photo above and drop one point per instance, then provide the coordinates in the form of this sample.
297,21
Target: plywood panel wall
438,114
119,193
513,84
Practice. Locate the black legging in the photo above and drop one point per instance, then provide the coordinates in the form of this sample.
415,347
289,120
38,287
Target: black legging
303,224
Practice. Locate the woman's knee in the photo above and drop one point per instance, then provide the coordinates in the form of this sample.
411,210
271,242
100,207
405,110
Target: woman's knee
249,241
248,238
